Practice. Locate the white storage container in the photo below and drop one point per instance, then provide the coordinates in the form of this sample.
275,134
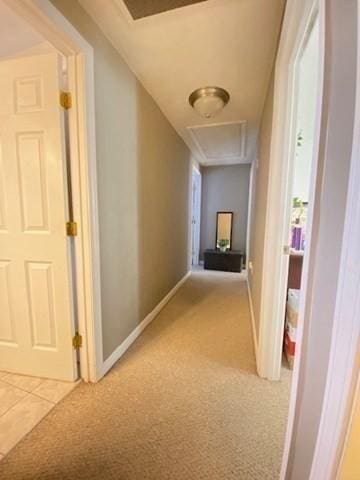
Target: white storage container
294,299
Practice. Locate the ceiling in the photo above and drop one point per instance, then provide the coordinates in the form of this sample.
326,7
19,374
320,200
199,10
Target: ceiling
145,8
16,34
227,43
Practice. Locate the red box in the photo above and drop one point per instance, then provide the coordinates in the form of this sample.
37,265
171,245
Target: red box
289,348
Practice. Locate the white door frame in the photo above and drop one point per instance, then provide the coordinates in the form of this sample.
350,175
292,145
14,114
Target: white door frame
314,8
195,213
55,28
343,369
344,365
250,214
297,22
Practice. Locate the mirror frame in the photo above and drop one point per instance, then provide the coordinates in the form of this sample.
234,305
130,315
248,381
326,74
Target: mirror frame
231,228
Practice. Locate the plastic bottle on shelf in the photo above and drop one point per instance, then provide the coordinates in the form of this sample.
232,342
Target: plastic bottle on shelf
297,235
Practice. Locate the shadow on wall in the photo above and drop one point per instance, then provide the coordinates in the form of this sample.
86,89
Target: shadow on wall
163,169
224,188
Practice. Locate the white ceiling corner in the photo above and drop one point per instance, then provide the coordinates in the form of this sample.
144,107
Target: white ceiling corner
225,43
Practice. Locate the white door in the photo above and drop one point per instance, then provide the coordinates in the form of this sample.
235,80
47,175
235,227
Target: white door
36,312
195,217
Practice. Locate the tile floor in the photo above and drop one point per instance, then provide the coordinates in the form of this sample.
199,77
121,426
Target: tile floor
24,402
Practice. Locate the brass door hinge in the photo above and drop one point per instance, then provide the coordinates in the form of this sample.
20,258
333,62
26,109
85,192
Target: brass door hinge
65,100
71,229
77,341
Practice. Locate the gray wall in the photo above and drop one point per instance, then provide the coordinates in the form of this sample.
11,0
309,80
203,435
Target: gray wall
143,184
224,189
259,205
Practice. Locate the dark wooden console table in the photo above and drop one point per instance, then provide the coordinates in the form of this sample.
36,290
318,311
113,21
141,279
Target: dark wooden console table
295,269
229,261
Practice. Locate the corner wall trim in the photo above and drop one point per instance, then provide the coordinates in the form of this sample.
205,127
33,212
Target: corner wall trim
122,348
252,320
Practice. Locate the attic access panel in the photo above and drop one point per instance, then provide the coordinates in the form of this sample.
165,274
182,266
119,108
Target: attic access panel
220,143
145,8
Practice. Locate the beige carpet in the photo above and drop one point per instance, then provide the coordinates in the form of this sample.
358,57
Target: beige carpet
184,403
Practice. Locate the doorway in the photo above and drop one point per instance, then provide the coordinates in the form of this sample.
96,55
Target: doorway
37,281
290,65
38,276
301,177
195,216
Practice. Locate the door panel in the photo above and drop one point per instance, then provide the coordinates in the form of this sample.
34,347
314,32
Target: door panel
32,177
40,290
2,198
7,330
36,304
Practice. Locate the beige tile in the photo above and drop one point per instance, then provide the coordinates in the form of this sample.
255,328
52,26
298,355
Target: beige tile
21,419
2,374
9,396
21,381
53,390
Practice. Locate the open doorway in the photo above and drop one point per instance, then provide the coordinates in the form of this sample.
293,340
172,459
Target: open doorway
224,212
300,179
195,217
292,173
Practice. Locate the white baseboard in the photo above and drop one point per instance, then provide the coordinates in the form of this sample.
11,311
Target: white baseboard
252,320
121,349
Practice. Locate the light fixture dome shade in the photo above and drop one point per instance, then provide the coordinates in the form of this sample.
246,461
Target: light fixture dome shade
208,101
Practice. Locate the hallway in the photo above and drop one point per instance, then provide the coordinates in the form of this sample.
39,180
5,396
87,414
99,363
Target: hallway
183,403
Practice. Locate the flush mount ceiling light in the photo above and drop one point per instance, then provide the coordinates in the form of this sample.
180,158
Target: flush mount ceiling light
208,101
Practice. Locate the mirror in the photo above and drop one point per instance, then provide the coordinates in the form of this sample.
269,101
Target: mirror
223,230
